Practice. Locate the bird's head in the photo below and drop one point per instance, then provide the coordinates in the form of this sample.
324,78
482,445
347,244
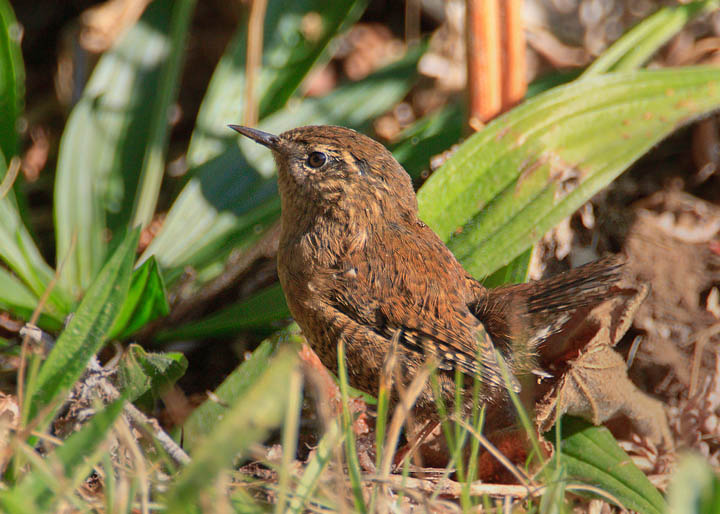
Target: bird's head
329,166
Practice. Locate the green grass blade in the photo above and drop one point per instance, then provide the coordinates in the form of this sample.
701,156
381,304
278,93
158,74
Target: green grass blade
248,420
72,462
19,252
85,334
153,165
351,456
12,79
308,482
527,170
104,143
636,46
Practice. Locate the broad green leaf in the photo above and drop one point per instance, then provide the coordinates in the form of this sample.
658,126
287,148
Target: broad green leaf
145,302
635,47
629,52
528,169
153,165
247,420
265,310
142,371
105,142
17,299
12,79
230,202
86,332
695,487
591,454
67,467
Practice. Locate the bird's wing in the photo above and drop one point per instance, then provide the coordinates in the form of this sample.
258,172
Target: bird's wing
417,287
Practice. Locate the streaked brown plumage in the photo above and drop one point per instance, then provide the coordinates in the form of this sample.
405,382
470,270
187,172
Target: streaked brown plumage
357,264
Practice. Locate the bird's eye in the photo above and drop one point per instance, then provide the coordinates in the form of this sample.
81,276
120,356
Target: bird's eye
316,159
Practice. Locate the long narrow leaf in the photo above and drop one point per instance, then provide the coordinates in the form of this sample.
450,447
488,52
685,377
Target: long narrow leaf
642,41
527,170
86,332
12,79
104,143
153,166
591,454
288,55
265,310
16,298
145,302
18,251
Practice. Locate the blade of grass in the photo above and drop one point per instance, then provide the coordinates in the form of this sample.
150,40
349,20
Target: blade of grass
145,302
289,52
248,420
71,462
592,455
289,439
263,311
17,299
331,439
349,436
18,250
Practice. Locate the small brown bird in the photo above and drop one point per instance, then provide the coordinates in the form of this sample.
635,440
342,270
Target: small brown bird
358,265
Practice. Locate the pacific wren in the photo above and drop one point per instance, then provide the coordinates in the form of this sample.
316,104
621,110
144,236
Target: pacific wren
357,264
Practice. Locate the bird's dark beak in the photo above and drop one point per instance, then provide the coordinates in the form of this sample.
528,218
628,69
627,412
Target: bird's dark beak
270,140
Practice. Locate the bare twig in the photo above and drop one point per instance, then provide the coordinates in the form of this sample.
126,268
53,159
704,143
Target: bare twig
108,390
447,487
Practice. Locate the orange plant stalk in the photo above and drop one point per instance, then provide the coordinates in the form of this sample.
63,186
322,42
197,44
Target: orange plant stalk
483,60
